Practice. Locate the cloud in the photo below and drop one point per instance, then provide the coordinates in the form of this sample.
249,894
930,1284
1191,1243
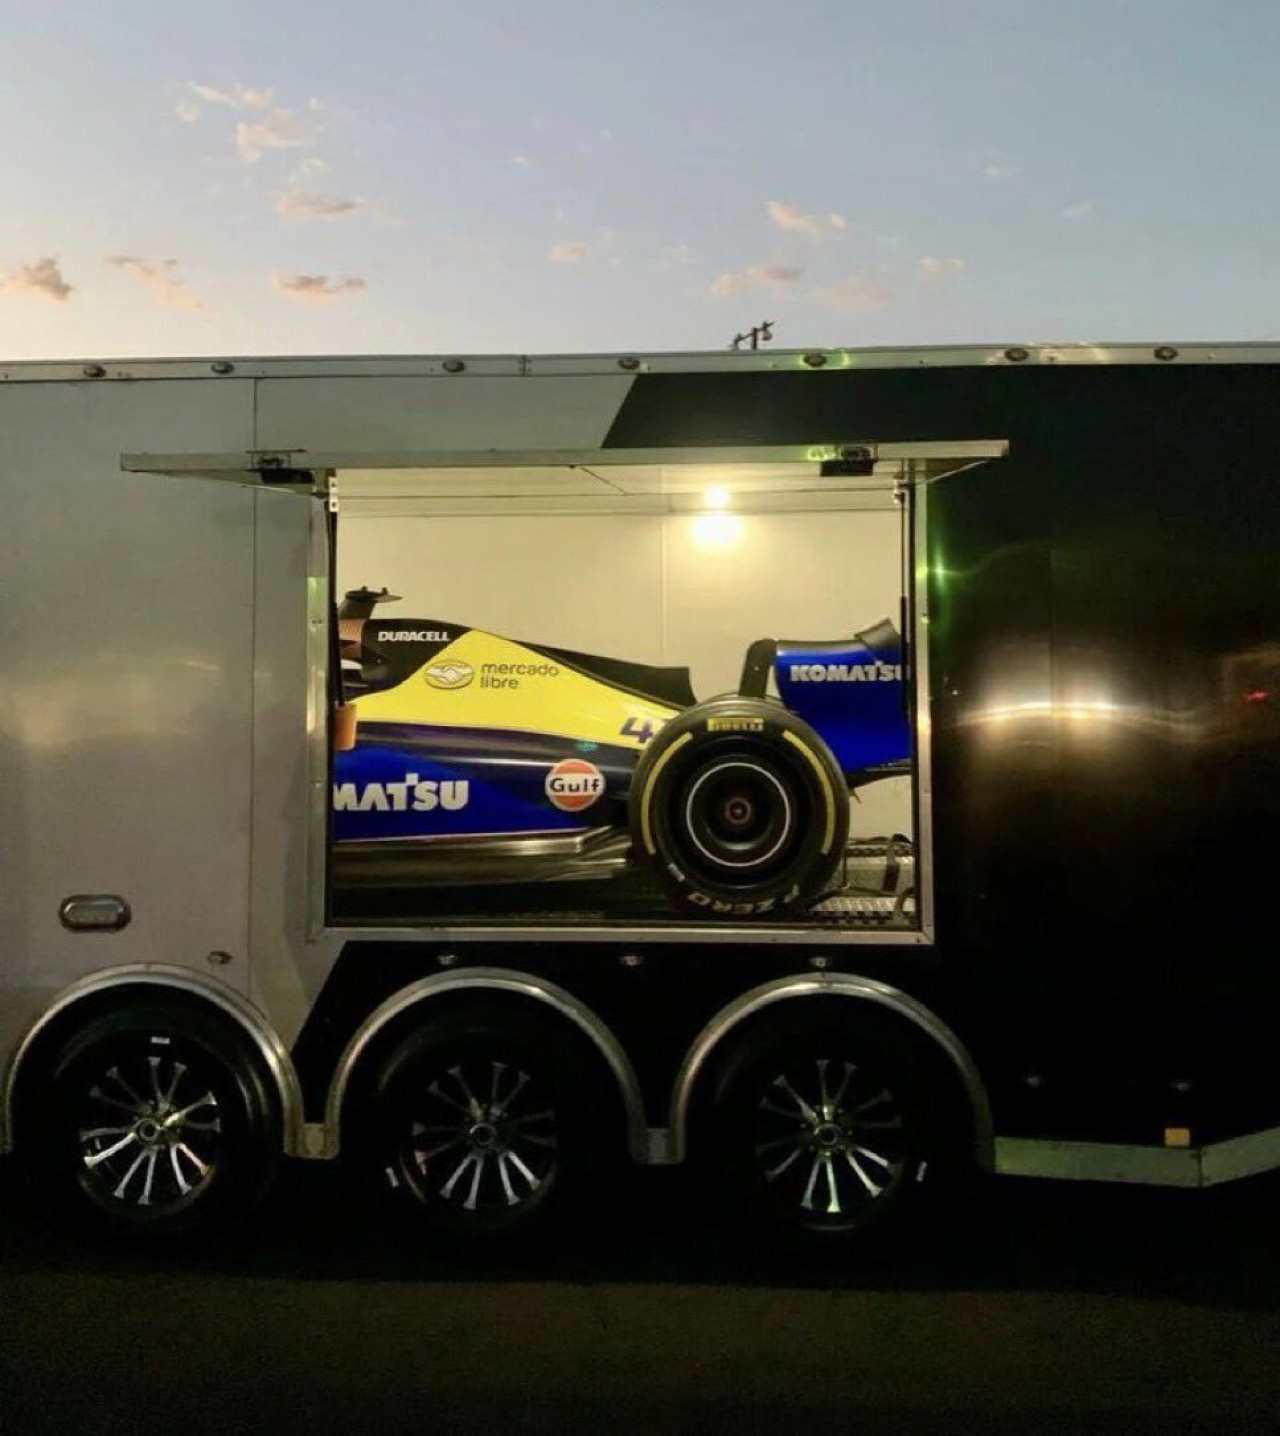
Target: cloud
235,97
298,203
604,247
238,97
678,254
316,288
1083,210
264,126
995,172
41,276
791,217
161,278
301,200
859,292
568,251
279,130
733,281
521,161
778,277
934,268
852,293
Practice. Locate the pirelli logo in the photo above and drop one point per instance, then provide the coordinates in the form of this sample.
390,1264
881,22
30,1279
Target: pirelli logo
744,724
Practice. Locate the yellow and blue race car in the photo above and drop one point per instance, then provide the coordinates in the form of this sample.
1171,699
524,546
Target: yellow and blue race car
475,758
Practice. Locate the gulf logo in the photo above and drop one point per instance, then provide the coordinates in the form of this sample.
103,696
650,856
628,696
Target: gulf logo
574,784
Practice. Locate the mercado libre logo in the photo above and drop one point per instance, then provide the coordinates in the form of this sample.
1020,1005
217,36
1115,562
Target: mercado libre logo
574,784
448,675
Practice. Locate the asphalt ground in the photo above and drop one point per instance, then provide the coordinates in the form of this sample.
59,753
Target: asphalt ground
1030,1307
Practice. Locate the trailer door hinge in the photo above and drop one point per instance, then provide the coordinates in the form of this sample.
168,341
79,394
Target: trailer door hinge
282,470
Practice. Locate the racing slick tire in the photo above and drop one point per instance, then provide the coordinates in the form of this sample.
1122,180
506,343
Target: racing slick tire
153,1122
741,809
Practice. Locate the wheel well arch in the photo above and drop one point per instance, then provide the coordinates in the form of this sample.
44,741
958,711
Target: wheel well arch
501,984
102,992
744,1013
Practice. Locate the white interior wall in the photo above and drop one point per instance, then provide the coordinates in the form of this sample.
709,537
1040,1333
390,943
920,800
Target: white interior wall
680,589
590,583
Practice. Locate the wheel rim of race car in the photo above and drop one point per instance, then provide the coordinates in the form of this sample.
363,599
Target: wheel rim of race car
738,815
149,1134
829,1140
483,1137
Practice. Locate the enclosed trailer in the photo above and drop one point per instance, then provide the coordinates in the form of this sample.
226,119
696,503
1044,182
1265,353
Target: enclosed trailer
829,767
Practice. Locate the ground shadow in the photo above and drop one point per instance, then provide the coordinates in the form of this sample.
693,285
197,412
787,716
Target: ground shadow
1219,1247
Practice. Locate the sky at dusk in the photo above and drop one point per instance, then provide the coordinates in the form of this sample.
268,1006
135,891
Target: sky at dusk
583,175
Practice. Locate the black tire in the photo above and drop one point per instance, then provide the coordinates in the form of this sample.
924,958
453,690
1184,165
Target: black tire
828,1135
740,809
491,1125
156,1121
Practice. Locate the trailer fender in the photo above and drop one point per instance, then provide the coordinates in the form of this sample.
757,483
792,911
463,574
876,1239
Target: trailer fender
493,980
827,986
153,978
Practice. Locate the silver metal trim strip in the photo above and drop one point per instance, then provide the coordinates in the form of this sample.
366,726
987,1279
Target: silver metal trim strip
226,999
1097,1162
864,989
658,1152
917,589
491,979
861,499
1240,1157
1014,354
520,930
319,616
242,463
1208,1166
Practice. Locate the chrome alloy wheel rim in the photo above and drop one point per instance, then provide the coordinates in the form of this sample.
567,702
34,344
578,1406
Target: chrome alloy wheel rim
151,1134
829,1139
484,1137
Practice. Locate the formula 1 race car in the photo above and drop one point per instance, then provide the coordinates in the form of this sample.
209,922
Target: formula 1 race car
463,757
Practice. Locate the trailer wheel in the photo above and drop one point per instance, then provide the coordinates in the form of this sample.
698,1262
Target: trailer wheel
741,809
156,1121
485,1121
825,1136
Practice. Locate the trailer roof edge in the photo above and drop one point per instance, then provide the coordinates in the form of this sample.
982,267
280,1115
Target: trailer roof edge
462,366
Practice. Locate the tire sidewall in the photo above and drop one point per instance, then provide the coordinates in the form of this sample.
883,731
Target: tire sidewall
250,1144
725,1141
565,1077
